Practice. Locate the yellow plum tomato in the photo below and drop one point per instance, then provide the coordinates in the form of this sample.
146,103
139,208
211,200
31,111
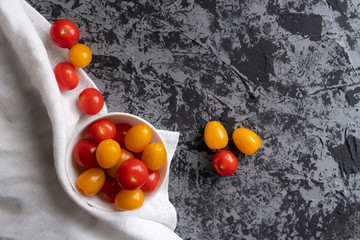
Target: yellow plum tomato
246,141
137,138
215,135
91,181
108,153
129,199
154,156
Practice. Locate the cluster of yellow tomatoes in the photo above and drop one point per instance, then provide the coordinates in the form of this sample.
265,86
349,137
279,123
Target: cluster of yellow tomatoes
121,163
224,161
65,34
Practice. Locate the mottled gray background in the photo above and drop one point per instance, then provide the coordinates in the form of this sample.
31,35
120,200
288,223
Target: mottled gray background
288,70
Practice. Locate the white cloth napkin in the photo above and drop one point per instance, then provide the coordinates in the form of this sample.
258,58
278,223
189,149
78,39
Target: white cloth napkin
36,122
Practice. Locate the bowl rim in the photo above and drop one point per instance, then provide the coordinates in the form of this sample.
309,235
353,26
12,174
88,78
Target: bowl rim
69,160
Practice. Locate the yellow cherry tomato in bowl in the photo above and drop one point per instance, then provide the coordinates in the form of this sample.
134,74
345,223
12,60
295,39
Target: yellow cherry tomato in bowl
125,155
137,138
80,55
215,135
91,181
154,156
108,153
129,199
246,141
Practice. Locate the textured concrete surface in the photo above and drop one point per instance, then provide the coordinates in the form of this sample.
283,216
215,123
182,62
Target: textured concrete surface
288,70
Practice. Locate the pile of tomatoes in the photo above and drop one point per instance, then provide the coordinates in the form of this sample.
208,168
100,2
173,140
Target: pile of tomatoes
224,161
65,34
119,162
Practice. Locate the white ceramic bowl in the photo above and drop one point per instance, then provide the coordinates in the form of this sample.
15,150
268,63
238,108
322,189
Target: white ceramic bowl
73,170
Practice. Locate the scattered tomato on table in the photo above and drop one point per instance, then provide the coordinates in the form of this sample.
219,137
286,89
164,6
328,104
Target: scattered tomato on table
215,135
66,76
90,101
64,33
246,141
80,55
225,163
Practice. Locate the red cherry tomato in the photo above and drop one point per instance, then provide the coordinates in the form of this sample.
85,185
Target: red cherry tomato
110,189
121,130
64,33
101,129
225,163
90,101
66,76
84,153
132,174
151,182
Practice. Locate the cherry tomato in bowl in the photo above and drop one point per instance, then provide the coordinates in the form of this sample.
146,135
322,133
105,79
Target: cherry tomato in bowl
132,174
151,182
72,171
110,189
129,199
101,129
84,153
64,33
121,130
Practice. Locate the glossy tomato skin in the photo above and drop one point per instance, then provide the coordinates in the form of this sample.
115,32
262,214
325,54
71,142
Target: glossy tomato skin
225,163
64,33
154,156
91,181
215,135
66,76
101,129
110,189
80,55
125,155
246,141
108,153
121,130
132,174
90,101
129,199
137,138
151,182
84,153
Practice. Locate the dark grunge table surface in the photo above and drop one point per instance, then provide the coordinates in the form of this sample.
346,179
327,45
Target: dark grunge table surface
288,70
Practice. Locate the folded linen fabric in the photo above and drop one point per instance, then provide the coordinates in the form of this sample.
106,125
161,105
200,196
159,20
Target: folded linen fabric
37,121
